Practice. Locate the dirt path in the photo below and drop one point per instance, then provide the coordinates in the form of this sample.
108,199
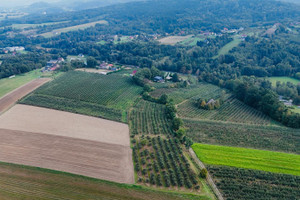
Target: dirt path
209,178
11,98
84,157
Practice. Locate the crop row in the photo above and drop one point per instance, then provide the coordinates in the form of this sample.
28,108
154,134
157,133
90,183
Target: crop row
161,162
149,118
181,94
232,110
74,106
236,183
274,138
115,90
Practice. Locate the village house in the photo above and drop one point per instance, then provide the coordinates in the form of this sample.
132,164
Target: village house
13,49
158,79
52,65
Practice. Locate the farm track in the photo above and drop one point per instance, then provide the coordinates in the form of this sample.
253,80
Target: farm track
209,178
84,157
11,98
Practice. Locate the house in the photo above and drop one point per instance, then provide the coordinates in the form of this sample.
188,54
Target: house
13,49
212,102
158,79
104,66
53,65
60,60
81,55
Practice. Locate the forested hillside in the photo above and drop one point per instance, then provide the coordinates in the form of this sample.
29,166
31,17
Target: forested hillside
171,16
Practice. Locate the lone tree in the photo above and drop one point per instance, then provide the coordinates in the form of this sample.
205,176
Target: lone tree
91,62
203,173
175,77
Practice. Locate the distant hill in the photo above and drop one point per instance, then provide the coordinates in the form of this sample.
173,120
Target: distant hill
42,8
173,15
292,1
88,4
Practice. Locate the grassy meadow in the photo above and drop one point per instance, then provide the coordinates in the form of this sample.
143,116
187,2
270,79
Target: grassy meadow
72,28
269,161
283,79
225,49
9,84
22,182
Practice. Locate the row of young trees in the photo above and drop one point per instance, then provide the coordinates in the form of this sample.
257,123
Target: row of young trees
264,100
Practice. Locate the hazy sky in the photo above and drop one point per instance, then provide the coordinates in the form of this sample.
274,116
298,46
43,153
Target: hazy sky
14,3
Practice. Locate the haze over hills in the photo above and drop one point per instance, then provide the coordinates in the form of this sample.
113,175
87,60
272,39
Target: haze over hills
185,80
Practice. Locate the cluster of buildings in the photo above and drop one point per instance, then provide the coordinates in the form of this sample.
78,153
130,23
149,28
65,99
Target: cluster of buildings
286,102
52,65
13,49
226,30
107,66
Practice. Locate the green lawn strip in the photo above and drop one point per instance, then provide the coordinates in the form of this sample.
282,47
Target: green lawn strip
9,84
64,185
283,79
276,162
225,49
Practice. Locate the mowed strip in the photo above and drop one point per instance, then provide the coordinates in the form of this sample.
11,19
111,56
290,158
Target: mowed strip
66,142
84,157
11,98
270,161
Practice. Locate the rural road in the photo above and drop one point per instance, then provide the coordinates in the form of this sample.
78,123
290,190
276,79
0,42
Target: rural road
209,178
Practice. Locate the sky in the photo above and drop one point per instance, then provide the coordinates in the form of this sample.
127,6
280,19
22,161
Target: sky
16,3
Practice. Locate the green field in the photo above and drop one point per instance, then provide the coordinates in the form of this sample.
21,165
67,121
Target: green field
106,96
269,161
232,110
24,26
9,84
225,49
296,109
283,79
72,28
149,118
22,182
273,138
192,41
181,94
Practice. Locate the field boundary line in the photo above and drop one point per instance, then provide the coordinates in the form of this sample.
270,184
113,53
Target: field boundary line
209,178
20,88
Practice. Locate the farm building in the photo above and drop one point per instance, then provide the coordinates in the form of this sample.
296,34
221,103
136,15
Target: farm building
158,79
53,64
12,49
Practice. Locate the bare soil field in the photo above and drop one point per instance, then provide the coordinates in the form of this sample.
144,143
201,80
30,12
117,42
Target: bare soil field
84,157
11,98
60,123
172,40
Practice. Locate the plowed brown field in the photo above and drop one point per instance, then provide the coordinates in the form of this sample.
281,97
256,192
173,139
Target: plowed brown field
11,98
89,158
66,142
